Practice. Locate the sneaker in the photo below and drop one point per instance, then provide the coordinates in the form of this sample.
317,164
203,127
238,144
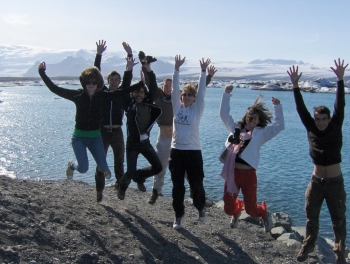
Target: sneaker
99,196
303,254
121,193
107,174
177,223
141,187
201,215
153,198
69,171
234,221
267,222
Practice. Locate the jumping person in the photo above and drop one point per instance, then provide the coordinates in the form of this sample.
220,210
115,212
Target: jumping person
185,153
89,102
141,115
241,156
112,117
325,142
162,98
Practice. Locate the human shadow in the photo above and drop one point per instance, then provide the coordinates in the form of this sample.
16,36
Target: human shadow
207,252
155,245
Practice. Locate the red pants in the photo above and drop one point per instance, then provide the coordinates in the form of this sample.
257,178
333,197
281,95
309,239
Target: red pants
247,181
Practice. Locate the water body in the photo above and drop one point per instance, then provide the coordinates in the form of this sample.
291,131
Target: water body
36,128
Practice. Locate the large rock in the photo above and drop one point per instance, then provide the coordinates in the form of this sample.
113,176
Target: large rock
282,219
290,239
276,232
301,230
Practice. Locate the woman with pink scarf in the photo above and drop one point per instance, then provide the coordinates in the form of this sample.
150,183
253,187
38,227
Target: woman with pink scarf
241,156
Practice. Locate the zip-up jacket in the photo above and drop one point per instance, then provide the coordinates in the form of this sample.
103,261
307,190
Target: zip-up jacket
141,117
113,111
88,109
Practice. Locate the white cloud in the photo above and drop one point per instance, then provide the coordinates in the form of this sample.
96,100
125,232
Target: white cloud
16,19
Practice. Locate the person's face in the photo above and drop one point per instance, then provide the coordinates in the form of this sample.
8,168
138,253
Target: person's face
114,82
252,121
167,87
187,99
322,121
91,86
139,95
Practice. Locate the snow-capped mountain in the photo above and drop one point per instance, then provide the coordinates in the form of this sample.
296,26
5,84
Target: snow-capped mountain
22,61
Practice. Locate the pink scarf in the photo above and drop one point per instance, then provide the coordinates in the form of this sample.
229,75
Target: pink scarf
228,172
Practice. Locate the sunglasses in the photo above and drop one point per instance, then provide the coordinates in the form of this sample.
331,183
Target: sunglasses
187,94
91,82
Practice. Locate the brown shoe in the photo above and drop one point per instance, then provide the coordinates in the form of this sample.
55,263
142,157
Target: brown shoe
99,196
304,254
153,198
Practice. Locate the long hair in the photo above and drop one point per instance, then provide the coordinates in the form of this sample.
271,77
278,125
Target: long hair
259,109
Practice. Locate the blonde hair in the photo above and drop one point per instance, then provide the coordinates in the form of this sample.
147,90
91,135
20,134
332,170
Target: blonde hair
189,88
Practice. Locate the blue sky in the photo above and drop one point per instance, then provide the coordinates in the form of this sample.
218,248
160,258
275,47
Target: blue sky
314,31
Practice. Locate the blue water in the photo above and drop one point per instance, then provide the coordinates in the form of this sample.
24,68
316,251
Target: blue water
36,127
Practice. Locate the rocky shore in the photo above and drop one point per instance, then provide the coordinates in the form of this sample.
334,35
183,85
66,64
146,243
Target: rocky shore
60,222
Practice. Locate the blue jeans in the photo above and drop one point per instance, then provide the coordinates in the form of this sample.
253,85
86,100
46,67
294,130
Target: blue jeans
133,149
95,146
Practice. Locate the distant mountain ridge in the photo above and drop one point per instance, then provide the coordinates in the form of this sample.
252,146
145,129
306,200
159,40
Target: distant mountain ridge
23,61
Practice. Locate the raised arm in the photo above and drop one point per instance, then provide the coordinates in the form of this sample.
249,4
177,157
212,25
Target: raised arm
339,104
211,71
225,110
150,77
304,114
278,125
100,48
65,93
202,84
175,94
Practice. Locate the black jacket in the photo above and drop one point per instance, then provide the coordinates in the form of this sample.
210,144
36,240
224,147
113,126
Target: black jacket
113,110
88,109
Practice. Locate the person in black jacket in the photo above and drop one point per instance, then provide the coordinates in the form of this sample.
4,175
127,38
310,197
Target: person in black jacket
141,115
88,102
325,142
112,117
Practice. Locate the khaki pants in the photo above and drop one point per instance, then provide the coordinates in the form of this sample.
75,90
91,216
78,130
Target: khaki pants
332,190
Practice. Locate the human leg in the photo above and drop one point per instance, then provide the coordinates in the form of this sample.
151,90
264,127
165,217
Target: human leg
118,147
79,148
177,170
314,196
95,145
99,175
336,202
132,153
248,182
163,150
194,167
151,156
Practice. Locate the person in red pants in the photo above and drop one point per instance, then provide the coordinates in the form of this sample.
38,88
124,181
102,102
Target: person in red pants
241,156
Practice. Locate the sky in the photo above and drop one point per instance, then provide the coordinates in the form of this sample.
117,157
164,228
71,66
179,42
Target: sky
313,31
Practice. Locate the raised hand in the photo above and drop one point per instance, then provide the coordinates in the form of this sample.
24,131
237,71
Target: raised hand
179,62
294,76
211,70
275,101
204,64
127,47
101,47
142,76
340,70
42,66
130,63
229,89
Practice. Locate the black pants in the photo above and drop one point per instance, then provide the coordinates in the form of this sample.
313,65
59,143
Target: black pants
190,161
331,190
133,149
114,138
